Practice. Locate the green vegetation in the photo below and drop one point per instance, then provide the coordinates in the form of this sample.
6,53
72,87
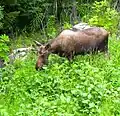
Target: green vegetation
1,17
48,15
107,17
4,49
89,85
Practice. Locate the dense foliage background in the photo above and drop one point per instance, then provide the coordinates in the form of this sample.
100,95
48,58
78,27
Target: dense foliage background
18,16
87,86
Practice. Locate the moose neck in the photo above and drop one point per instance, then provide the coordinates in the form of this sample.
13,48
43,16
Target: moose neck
54,45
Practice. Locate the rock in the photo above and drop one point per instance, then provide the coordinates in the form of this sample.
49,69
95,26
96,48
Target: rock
81,26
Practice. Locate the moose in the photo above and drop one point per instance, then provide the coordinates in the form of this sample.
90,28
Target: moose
70,43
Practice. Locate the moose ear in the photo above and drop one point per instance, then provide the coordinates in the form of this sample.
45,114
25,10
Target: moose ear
47,46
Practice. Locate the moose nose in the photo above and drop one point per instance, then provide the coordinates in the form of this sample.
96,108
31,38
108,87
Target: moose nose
36,68
39,67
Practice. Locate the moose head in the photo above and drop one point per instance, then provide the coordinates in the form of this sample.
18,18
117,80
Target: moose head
43,53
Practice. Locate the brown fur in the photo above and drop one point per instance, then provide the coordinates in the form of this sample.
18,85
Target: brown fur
69,43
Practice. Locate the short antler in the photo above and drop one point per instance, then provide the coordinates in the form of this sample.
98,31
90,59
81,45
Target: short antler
37,43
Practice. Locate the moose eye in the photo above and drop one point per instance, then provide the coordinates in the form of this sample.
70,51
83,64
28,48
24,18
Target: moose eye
39,52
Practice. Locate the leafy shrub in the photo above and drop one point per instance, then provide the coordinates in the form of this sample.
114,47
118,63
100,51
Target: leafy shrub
67,25
51,30
9,21
105,16
4,49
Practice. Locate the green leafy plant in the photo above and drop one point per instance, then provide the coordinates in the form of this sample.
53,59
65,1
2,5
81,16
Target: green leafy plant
4,49
67,25
105,16
51,30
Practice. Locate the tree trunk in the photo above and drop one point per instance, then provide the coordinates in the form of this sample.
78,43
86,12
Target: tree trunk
57,10
74,12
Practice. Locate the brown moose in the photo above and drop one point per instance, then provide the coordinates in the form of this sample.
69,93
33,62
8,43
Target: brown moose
69,43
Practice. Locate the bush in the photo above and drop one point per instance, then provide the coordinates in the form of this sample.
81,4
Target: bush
51,30
105,16
67,25
4,49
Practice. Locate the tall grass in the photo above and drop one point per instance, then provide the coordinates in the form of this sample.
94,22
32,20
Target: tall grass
87,86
